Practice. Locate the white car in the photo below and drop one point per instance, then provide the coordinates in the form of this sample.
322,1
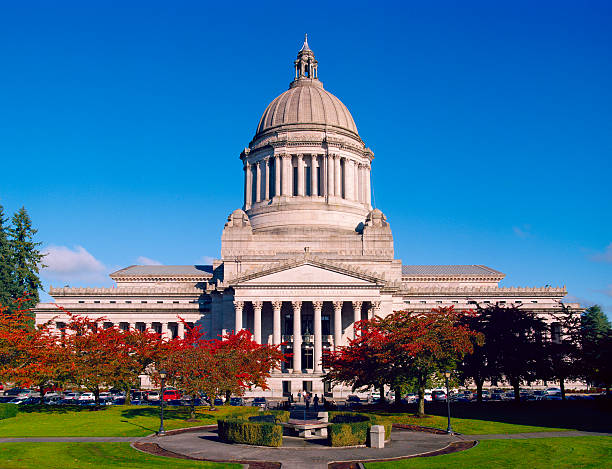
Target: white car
72,396
105,395
428,397
87,396
18,400
553,391
153,396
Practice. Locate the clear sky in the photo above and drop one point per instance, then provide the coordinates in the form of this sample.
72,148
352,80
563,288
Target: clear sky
122,122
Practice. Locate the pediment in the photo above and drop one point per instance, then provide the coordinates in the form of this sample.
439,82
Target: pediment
308,273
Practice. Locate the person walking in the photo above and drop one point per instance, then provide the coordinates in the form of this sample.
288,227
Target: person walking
307,401
299,396
316,402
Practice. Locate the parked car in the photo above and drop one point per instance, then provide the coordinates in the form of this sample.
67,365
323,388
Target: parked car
153,396
87,396
260,402
18,400
171,394
428,397
411,398
353,398
438,395
553,391
52,400
71,397
139,395
237,401
537,395
13,391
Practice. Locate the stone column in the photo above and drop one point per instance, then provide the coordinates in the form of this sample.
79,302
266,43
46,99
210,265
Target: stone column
368,189
131,326
238,306
276,330
330,175
300,178
337,323
318,336
356,315
180,332
164,330
257,305
258,182
357,180
375,309
337,176
314,180
149,326
277,176
349,179
267,190
248,186
297,336
287,175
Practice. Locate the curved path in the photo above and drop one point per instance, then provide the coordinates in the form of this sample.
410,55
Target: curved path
296,454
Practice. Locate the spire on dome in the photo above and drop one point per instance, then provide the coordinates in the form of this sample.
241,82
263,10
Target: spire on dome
306,65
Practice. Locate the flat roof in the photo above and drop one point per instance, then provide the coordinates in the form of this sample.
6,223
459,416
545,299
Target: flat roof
450,270
165,271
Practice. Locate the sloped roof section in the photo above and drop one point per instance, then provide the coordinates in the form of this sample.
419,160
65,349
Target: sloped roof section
199,271
450,270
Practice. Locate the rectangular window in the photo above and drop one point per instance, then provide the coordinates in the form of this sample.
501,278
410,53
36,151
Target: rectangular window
175,302
96,301
295,181
455,301
143,301
113,301
81,301
308,180
534,301
160,302
128,302
319,182
438,301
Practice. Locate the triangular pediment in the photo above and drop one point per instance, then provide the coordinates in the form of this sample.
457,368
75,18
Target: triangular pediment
308,271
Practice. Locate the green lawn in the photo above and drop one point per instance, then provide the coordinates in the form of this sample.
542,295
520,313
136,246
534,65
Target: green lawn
583,452
90,456
466,426
33,421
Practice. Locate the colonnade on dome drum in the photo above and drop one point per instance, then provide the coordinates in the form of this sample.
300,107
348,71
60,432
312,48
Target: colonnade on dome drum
305,325
314,175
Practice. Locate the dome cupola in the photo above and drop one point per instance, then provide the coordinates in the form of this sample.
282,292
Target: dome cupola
306,165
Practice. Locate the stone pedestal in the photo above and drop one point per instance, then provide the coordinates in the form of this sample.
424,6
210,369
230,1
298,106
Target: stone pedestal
377,436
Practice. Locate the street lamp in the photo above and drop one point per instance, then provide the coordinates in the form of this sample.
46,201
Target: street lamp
449,429
162,375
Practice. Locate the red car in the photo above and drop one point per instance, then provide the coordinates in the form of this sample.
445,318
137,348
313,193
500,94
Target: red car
171,395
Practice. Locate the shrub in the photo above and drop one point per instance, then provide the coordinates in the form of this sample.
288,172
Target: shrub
348,429
258,430
7,411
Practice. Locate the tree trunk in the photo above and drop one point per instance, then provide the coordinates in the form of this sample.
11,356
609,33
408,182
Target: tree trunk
479,384
228,395
193,414
128,396
421,409
517,390
562,386
42,392
398,395
97,397
381,389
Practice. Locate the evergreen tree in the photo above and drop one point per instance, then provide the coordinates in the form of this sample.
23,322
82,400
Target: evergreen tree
26,258
6,281
596,346
595,324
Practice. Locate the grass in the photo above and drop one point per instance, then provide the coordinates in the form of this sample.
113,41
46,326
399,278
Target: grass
466,426
584,452
60,421
90,456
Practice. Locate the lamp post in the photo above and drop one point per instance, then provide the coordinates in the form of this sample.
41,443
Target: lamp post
162,375
449,429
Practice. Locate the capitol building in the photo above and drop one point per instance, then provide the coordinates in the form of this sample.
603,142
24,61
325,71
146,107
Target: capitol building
305,257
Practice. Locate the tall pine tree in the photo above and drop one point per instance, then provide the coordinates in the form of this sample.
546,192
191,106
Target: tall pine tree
6,268
26,258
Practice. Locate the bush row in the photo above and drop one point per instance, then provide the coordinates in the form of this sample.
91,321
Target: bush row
261,429
348,429
7,411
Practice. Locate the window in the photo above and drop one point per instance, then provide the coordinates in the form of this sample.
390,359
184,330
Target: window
81,301
308,180
502,302
471,302
175,302
113,301
455,301
518,301
128,301
407,302
534,301
438,301
143,301
160,302
96,301
295,181
487,302
423,301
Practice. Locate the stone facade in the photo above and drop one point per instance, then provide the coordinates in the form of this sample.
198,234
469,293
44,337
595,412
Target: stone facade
304,258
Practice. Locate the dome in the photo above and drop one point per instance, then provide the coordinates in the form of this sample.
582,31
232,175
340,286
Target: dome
306,102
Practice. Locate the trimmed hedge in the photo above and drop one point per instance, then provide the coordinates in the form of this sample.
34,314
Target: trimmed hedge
7,411
260,430
349,429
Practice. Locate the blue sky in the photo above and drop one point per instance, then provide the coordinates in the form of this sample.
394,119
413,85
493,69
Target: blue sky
491,125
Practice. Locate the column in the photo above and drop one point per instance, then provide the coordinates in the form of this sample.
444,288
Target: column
337,323
257,305
287,175
276,330
375,309
300,179
356,175
349,179
337,175
131,326
238,306
258,181
368,190
164,330
248,186
277,176
330,175
356,315
314,181
297,336
267,191
148,327
180,333
318,336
